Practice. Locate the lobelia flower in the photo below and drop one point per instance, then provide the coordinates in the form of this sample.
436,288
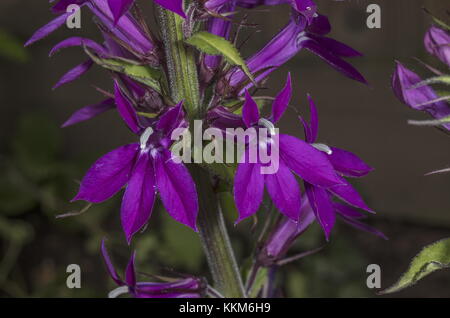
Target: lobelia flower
298,34
144,168
295,155
345,164
120,7
437,43
420,98
190,287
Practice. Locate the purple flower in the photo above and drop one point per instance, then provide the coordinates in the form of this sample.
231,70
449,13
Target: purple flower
190,287
295,36
420,98
144,168
437,43
295,156
346,164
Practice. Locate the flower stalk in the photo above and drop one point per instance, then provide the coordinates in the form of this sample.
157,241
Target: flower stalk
183,78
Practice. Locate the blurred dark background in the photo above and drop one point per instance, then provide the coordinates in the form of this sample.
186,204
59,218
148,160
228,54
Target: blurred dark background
41,163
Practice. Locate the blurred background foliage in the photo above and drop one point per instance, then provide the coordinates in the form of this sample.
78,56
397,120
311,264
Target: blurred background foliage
40,166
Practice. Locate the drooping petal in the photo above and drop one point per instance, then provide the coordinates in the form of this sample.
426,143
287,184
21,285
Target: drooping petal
309,163
109,265
248,187
125,109
139,196
74,73
61,5
108,174
348,211
347,193
284,190
348,163
250,111
79,41
130,272
119,8
364,227
48,28
322,207
281,101
89,112
336,47
177,189
175,6
333,60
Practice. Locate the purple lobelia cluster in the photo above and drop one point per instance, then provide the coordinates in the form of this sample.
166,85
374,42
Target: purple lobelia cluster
164,81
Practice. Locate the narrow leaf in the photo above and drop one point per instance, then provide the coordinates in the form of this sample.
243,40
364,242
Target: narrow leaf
431,258
215,45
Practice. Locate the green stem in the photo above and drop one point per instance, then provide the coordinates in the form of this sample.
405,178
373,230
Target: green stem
181,64
215,240
183,78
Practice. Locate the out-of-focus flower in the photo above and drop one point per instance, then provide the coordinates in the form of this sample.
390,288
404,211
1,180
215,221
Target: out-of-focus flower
437,43
295,155
421,98
144,169
190,287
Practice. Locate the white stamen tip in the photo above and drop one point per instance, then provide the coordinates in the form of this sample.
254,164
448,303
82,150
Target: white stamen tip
323,148
268,124
118,291
145,136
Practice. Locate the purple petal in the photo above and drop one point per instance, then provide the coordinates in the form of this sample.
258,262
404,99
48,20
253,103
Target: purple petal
139,196
108,174
335,47
281,101
119,8
175,6
364,227
48,28
109,266
335,61
130,273
177,189
248,188
284,190
171,119
308,162
61,5
74,73
322,207
125,109
320,25
89,112
347,193
79,41
250,111
348,211
348,163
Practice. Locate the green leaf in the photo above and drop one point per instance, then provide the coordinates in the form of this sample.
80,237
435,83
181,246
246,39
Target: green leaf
215,45
260,281
142,73
431,258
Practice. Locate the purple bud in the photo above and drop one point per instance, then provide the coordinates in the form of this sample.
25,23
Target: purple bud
437,43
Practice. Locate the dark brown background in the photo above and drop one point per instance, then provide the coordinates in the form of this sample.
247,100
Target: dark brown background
413,210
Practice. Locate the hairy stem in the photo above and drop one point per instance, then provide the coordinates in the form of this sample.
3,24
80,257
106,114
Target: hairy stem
215,240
